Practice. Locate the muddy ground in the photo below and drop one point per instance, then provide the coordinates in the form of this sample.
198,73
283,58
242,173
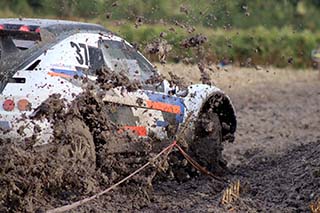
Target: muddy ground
276,156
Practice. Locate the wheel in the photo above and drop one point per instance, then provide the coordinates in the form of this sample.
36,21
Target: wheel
206,148
79,148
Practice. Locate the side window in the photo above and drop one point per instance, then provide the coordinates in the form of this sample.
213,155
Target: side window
120,57
96,59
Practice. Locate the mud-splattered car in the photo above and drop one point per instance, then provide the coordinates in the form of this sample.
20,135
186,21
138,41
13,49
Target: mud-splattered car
40,58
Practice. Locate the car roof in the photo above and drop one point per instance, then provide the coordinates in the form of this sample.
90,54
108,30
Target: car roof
55,26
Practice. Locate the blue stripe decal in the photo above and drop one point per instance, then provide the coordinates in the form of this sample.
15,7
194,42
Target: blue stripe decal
68,72
169,100
162,123
5,125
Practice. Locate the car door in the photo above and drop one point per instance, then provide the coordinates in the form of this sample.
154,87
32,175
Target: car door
148,110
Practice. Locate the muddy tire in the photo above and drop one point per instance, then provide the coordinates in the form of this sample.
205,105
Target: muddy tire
79,146
206,148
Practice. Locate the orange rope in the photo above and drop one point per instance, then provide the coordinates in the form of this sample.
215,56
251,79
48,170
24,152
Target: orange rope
196,165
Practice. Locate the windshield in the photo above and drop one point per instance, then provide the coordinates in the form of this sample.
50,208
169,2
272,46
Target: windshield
120,57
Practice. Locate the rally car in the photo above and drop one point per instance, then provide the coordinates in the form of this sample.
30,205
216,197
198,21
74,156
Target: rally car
40,57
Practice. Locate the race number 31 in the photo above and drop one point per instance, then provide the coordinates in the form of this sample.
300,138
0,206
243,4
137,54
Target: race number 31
82,52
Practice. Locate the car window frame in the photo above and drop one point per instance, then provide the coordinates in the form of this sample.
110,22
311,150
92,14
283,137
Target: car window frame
147,70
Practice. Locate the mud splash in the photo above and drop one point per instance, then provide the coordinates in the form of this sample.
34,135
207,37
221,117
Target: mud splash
88,152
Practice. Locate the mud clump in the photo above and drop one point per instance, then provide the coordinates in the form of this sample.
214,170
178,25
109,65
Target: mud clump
87,154
194,41
139,21
31,179
108,80
177,81
204,77
159,47
52,108
40,177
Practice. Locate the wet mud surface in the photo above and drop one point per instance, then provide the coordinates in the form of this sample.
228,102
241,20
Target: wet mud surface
276,157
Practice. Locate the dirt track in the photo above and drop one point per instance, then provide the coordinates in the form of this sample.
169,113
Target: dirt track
276,155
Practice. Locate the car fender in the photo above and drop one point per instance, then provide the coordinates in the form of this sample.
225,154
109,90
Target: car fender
196,102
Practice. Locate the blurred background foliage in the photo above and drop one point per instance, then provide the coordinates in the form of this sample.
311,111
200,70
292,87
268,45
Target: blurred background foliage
272,32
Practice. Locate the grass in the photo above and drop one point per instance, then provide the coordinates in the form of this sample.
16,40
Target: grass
283,47
235,77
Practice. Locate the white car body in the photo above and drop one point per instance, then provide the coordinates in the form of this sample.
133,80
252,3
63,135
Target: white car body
53,70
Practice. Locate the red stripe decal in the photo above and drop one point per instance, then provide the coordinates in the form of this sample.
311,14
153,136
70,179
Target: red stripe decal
138,130
163,107
54,74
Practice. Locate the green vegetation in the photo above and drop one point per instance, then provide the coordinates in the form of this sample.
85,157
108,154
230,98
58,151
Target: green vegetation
261,46
299,14
276,32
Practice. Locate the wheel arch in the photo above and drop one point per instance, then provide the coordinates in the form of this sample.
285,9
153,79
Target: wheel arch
222,105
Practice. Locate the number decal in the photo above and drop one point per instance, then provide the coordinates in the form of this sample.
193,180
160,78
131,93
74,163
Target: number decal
79,56
78,51
84,46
